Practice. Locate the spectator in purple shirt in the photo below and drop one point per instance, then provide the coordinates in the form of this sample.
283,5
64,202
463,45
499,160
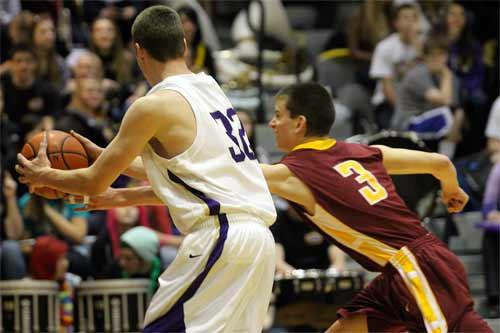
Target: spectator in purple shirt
465,51
491,239
466,62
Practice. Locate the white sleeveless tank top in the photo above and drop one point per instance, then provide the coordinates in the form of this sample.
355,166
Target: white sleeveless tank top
218,173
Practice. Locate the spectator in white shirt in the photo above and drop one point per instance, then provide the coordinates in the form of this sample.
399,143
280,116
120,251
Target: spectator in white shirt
393,57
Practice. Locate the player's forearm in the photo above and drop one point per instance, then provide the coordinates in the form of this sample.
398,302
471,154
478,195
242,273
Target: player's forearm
79,181
136,170
445,172
138,196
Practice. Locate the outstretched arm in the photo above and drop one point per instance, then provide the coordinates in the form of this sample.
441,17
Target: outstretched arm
282,182
404,161
138,127
119,197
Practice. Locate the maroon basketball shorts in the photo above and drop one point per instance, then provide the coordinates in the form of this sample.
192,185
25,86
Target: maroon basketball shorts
423,289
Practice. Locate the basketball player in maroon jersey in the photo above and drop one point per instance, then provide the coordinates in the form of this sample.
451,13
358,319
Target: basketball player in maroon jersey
346,192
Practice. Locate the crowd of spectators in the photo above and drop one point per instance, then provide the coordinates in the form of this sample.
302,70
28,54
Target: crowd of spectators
430,67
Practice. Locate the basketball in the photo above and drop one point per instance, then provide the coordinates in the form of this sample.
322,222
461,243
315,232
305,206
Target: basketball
64,152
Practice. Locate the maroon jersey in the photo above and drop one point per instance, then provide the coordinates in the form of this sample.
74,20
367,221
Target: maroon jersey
357,206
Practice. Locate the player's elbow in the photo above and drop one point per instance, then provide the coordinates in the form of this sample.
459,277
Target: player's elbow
442,164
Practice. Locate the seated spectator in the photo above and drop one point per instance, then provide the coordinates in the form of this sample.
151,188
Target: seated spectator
278,31
51,66
106,248
493,132
300,247
427,95
491,239
393,58
208,32
367,27
19,31
466,62
49,261
31,217
87,64
23,93
86,112
123,12
138,257
199,54
106,42
465,53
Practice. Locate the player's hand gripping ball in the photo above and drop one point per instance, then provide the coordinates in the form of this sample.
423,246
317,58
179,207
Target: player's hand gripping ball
64,152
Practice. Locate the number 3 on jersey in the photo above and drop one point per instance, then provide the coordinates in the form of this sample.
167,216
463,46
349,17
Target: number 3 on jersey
243,148
373,192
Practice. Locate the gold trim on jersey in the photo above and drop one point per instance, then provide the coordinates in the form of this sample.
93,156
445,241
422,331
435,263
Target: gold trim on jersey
381,253
370,247
416,282
323,144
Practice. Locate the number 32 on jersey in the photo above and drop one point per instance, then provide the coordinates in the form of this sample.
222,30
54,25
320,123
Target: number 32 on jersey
373,192
241,148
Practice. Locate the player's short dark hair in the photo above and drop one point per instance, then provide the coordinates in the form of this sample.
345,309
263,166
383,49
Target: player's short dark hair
312,101
158,29
435,42
22,48
395,10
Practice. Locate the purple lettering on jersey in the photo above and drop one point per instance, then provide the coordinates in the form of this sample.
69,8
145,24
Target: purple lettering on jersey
227,121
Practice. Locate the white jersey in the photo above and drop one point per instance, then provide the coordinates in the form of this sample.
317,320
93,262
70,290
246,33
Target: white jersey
219,172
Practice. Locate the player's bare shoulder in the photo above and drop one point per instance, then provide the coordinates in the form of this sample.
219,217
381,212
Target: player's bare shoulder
165,108
168,101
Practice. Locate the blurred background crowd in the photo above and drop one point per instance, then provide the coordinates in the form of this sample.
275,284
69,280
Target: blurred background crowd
412,74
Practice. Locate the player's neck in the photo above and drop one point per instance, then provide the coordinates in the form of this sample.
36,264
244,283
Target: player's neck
161,71
308,139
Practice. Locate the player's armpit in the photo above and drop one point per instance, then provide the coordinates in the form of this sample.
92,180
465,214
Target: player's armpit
136,169
282,182
138,127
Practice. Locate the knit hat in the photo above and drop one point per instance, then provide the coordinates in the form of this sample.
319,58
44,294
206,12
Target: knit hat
112,225
143,241
46,252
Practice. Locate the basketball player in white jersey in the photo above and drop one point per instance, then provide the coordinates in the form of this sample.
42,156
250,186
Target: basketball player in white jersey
197,158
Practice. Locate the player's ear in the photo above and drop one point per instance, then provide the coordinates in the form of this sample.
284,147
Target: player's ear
186,48
139,51
301,125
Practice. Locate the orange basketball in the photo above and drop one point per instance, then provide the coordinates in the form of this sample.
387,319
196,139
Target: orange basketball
64,152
